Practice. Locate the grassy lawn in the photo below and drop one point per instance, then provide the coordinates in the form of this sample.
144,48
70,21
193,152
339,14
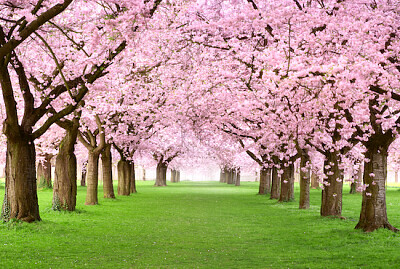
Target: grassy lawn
198,225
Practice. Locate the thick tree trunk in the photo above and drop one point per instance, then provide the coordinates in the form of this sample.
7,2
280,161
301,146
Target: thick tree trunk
331,203
275,184
263,187
124,178
314,181
92,178
106,161
173,175
84,172
64,190
20,199
287,184
237,182
304,182
161,175
373,210
178,176
229,177
44,172
132,178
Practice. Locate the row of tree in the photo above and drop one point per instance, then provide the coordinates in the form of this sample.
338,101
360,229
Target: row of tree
278,81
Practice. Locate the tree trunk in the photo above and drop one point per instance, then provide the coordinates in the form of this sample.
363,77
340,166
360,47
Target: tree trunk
396,176
124,175
264,179
44,172
144,174
304,182
314,181
287,184
92,178
275,184
178,176
132,178
331,202
223,175
84,172
64,190
106,161
161,174
173,175
20,199
237,183
373,210
229,177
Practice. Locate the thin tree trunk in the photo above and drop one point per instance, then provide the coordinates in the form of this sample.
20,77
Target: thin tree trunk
178,176
161,176
132,178
144,175
287,184
237,183
314,181
356,184
223,175
304,182
20,199
92,178
106,161
331,202
373,210
275,184
124,178
396,176
64,190
44,172
84,172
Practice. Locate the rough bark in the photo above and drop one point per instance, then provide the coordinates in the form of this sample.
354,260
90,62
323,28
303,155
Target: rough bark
229,176
287,184
132,188
106,161
178,176
161,174
373,210
124,175
275,184
314,181
331,203
20,199
305,179
92,178
44,172
263,187
64,190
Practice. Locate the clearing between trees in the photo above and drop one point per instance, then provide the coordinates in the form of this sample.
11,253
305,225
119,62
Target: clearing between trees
198,225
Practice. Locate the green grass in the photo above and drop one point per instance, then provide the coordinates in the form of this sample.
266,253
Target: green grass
198,225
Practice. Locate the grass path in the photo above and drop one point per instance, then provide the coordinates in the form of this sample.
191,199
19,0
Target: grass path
198,225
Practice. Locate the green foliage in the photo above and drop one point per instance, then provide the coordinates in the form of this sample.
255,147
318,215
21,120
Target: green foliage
198,225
